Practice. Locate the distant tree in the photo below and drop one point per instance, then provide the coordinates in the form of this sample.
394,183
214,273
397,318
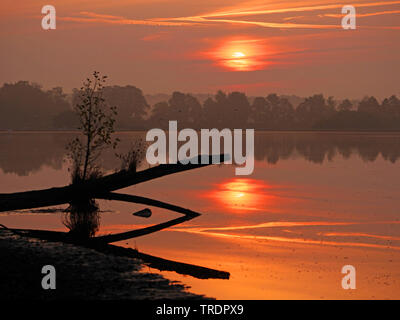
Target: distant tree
97,125
331,103
261,113
369,105
159,115
185,108
390,113
232,110
26,106
214,110
345,105
182,107
238,110
391,106
132,105
313,110
282,112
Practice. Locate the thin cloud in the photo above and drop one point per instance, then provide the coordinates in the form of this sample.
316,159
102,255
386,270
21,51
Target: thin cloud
362,15
286,25
91,17
219,17
101,16
293,18
154,36
280,25
249,11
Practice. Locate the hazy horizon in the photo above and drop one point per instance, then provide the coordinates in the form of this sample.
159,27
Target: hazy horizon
210,94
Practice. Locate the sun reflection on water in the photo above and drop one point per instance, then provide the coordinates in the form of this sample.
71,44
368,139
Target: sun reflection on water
242,194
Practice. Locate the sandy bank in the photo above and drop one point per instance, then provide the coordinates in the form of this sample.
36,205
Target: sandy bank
81,273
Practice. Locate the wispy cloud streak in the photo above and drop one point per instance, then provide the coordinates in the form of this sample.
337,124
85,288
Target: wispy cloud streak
221,16
232,17
91,17
362,15
261,11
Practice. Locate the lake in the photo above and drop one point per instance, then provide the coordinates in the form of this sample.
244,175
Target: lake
316,201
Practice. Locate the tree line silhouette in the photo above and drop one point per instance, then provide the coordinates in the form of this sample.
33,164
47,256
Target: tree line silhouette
27,106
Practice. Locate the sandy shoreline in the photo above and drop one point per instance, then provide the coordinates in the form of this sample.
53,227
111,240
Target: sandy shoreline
81,273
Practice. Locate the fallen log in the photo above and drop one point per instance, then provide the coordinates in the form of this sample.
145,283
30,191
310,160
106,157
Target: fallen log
92,188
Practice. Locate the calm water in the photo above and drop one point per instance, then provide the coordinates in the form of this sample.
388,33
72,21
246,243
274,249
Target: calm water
315,202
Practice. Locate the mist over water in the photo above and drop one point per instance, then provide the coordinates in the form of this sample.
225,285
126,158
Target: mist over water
28,152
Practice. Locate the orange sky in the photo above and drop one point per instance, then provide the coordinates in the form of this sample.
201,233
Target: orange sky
288,47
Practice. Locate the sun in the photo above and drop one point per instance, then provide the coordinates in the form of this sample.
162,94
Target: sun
238,54
244,54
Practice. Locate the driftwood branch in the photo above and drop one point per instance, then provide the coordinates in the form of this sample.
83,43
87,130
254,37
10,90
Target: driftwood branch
90,189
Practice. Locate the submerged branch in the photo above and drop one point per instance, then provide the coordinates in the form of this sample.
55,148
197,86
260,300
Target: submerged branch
152,261
164,264
188,215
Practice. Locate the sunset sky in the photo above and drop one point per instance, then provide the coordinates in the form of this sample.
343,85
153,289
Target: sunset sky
258,47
